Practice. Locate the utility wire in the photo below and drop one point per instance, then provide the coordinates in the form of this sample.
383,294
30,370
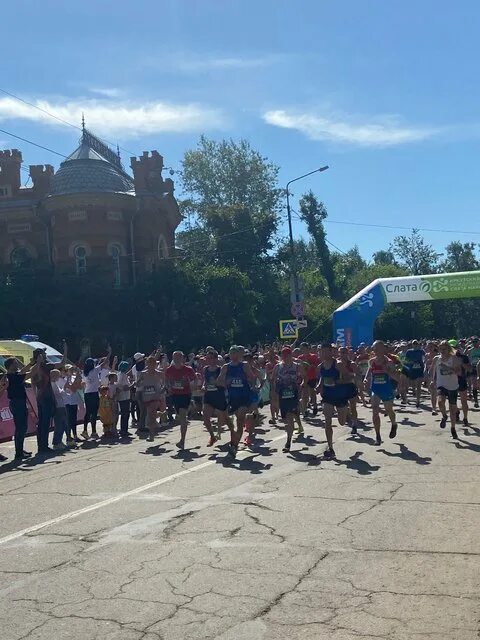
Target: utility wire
35,144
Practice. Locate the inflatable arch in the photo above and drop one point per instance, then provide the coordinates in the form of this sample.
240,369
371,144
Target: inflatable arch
353,322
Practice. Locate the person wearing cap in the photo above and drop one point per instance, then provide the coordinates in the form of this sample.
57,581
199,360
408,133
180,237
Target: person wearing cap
179,380
465,369
237,378
287,379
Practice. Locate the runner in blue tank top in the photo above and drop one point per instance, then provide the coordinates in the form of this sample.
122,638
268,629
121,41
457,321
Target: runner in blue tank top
332,394
215,399
237,377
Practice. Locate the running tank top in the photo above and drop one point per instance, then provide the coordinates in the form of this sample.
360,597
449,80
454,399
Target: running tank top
236,379
380,378
210,378
287,381
329,376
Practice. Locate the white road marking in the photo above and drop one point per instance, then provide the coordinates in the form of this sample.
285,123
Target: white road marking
109,501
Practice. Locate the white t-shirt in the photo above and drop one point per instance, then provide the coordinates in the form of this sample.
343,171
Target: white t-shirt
59,394
72,397
123,381
445,374
104,373
92,380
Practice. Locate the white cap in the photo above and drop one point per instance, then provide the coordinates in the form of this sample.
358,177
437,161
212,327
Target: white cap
138,356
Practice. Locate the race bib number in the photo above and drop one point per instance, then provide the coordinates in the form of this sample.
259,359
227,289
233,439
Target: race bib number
212,387
380,379
416,365
328,382
237,383
149,392
178,384
287,393
445,370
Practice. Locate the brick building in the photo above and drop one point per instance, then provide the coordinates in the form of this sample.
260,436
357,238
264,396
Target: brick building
90,218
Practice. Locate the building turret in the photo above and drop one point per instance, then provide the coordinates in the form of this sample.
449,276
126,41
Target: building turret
10,162
41,175
147,172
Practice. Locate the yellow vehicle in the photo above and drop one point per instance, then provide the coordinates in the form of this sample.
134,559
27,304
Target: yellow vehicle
23,351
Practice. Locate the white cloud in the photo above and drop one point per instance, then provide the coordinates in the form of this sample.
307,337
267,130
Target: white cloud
189,63
106,92
118,119
384,131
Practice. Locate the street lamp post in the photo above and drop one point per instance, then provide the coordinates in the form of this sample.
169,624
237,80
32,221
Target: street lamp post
290,230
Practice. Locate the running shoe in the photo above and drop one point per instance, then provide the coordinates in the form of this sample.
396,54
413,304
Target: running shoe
443,422
354,431
465,422
434,412
94,435
378,441
212,441
247,441
84,434
272,421
329,454
315,411
181,444
59,447
476,404
70,443
286,448
232,450
453,431
393,431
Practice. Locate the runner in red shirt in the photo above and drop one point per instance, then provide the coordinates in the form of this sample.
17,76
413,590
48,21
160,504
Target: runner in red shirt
179,379
312,362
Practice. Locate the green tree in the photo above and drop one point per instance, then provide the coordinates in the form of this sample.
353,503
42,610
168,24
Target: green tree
460,256
313,213
414,254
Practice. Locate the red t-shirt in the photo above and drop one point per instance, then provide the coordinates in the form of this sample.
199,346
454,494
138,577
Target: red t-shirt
313,362
179,379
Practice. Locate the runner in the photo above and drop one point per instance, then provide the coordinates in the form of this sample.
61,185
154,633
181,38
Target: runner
215,399
347,387
328,379
431,352
151,384
309,394
271,361
237,377
380,375
414,368
287,377
473,354
179,380
361,360
465,370
447,368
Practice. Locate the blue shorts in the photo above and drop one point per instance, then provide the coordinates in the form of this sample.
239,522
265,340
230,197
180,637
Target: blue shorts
383,391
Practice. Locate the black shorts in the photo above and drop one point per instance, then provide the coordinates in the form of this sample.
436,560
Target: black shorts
335,399
216,400
288,405
181,401
462,383
237,402
452,395
347,391
312,383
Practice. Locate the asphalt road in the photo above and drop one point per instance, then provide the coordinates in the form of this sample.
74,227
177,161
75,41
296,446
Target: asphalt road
138,542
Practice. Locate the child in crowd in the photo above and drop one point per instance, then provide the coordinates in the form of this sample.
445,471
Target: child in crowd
113,395
105,411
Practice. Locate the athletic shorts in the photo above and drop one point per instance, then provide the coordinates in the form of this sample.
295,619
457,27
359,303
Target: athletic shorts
236,402
312,383
462,383
413,374
216,400
347,391
450,394
288,405
181,401
334,399
382,392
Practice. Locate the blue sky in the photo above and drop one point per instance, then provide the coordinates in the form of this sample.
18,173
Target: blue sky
384,92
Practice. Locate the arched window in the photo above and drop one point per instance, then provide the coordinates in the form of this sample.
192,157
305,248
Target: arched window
116,252
80,254
162,248
19,257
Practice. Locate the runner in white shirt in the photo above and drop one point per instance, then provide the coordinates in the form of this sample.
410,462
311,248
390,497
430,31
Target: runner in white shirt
446,368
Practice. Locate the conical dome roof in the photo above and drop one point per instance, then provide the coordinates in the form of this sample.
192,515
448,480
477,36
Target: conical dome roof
91,168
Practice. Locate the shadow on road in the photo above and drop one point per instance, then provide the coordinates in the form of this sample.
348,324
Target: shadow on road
362,467
406,454
464,444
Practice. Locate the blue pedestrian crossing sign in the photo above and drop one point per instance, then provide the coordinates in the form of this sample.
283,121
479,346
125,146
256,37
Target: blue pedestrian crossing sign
288,329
